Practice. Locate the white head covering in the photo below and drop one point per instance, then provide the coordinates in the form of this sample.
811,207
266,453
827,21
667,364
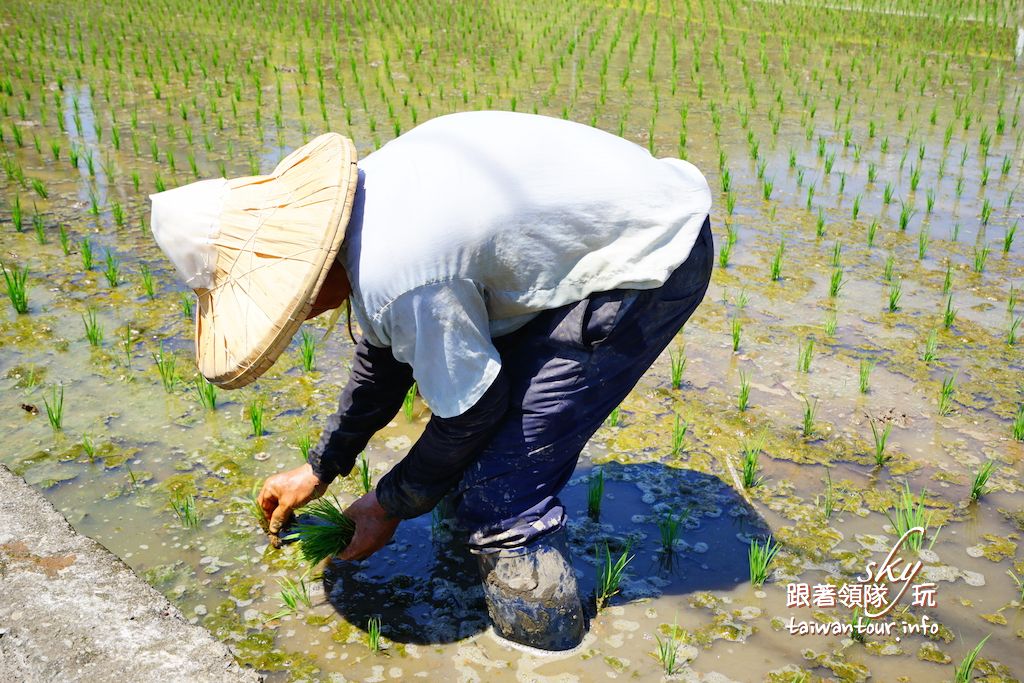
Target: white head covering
185,224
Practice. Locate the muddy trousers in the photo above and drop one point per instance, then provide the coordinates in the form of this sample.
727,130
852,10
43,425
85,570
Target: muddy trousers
569,368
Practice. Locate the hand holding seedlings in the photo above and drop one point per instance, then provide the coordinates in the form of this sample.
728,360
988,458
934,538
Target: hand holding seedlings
374,527
285,492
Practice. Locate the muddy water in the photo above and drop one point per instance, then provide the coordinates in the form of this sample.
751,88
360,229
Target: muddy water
151,445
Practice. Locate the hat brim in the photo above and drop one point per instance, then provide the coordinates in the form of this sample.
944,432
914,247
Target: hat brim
279,234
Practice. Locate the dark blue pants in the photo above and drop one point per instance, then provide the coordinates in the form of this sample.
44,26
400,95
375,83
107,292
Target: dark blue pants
569,368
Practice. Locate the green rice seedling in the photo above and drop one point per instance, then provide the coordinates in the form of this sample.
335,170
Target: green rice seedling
293,595
17,217
759,557
365,477
922,242
831,322
85,249
165,365
981,477
111,269
889,268
931,345
595,493
256,413
827,500
668,530
986,211
39,225
668,651
127,342
895,293
55,407
187,303
737,331
947,281
373,634
93,331
409,403
872,232
40,188
326,535
881,438
64,238
743,402
908,514
610,575
724,252
305,443
836,283
872,172
307,350
949,315
864,383
856,207
1011,299
776,266
148,285
858,625
679,428
1011,331
766,187
1020,584
55,149
750,458
981,257
804,356
946,395
677,361
965,669
915,177
887,193
615,416
206,393
1009,236
810,410
185,508
16,282
906,213
819,223
929,200
88,447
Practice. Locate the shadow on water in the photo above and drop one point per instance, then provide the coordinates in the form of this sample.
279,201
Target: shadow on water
425,588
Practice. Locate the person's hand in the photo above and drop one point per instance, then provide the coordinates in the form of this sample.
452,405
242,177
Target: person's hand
374,528
285,492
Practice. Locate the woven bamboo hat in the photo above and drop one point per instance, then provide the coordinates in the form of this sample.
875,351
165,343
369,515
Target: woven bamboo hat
256,251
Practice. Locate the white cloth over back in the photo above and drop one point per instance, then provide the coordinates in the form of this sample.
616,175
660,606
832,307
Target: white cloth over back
472,223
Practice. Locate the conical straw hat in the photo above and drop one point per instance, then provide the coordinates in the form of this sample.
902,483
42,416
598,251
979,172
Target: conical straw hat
270,248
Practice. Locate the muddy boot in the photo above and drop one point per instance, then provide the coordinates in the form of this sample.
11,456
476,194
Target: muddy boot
531,594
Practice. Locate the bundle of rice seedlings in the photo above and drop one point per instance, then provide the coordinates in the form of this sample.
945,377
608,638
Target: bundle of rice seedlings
322,530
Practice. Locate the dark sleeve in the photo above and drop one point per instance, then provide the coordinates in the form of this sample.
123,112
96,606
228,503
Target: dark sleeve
376,387
437,460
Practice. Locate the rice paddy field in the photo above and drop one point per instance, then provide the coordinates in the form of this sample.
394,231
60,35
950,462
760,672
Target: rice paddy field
856,369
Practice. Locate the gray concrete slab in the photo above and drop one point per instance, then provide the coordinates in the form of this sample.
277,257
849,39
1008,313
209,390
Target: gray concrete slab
72,611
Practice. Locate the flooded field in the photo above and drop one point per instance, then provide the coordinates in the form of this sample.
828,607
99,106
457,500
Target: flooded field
861,338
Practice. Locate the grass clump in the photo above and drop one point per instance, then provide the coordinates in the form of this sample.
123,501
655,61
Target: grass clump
324,533
373,634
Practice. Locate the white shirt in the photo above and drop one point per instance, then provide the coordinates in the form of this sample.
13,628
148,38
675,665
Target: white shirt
473,223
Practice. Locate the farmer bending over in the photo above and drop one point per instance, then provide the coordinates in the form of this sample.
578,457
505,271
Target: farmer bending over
524,271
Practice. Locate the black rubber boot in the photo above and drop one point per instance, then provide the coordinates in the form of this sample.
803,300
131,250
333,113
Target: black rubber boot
531,594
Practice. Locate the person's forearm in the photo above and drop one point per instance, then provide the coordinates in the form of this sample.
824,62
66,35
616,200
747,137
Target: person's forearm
376,387
437,460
